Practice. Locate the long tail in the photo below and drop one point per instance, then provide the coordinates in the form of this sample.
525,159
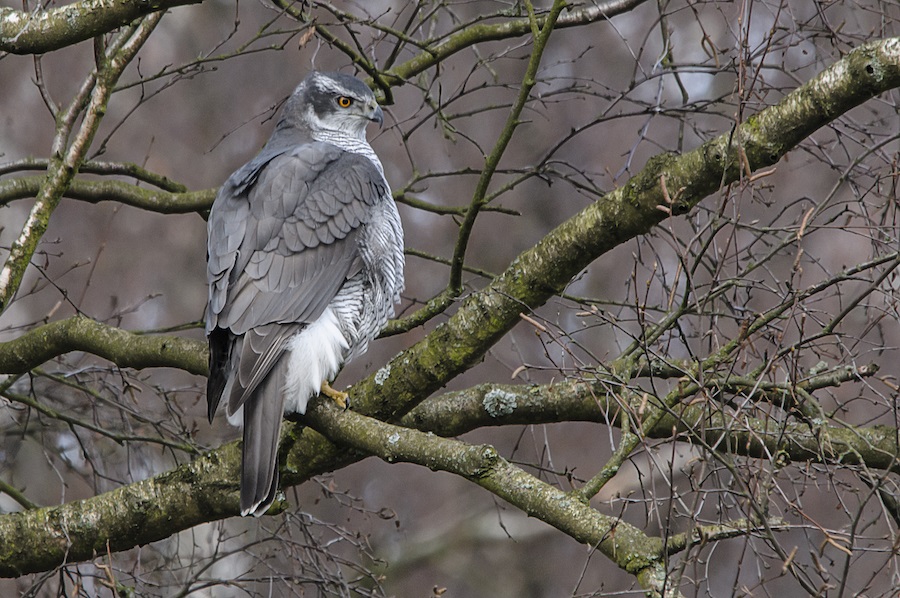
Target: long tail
262,429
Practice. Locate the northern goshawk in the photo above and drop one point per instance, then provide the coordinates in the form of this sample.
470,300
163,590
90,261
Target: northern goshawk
305,263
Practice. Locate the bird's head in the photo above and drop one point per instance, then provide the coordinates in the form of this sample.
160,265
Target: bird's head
332,103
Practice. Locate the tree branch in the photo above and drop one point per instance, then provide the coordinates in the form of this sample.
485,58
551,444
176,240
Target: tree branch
705,534
465,37
127,169
43,30
459,412
511,28
153,200
125,349
133,515
206,489
624,544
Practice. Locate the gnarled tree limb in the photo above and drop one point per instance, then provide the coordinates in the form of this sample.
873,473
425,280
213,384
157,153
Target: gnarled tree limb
123,348
154,200
45,30
623,543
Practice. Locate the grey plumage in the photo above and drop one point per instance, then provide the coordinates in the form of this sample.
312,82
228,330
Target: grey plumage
305,262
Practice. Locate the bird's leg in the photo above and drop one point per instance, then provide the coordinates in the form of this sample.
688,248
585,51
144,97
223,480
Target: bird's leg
339,397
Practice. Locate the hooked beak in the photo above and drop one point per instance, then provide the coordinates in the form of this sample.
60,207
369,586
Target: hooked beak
377,115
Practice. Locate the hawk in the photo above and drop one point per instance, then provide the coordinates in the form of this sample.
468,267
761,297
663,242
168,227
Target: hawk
305,263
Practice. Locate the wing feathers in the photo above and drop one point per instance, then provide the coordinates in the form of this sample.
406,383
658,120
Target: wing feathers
283,240
221,344
260,351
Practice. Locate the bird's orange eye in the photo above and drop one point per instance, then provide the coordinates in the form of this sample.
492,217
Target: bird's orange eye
344,101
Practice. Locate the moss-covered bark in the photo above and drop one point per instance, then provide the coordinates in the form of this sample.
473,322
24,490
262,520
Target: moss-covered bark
459,412
154,200
41,31
125,349
624,544
133,515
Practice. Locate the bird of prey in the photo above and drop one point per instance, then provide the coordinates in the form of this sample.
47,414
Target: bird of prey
305,263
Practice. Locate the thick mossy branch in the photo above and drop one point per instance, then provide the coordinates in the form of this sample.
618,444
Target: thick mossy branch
459,412
40,31
453,347
206,489
133,515
621,542
153,200
125,349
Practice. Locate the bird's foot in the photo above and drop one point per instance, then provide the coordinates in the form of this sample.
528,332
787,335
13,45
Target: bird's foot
339,397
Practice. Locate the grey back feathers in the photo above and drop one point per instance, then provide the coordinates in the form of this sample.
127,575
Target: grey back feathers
305,262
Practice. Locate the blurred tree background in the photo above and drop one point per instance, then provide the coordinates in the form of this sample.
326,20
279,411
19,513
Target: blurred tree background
597,383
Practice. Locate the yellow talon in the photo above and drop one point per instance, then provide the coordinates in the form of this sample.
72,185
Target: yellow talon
339,397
